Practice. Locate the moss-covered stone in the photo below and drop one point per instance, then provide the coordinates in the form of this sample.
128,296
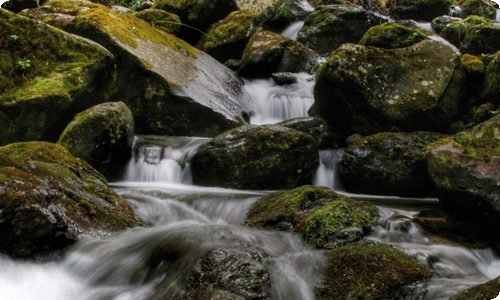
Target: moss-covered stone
483,8
472,64
488,290
324,218
48,199
160,19
392,35
369,270
46,76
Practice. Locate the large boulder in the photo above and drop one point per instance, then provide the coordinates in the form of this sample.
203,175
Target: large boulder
256,157
388,164
268,52
46,76
465,168
369,270
49,199
323,217
364,89
330,26
102,136
166,83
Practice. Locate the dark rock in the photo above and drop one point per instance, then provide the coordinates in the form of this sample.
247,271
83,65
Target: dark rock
420,10
317,128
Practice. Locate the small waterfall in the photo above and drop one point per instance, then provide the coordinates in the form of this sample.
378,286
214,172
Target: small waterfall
164,159
292,30
272,103
497,15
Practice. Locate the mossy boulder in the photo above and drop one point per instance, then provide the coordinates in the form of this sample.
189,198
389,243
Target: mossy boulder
46,76
102,136
366,90
166,83
330,26
49,199
256,157
488,290
324,218
491,87
483,8
473,35
227,39
388,164
370,270
419,10
268,52
439,23
392,36
465,168
160,19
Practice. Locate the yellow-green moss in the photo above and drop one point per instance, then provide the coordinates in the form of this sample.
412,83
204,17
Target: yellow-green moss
472,63
392,35
238,25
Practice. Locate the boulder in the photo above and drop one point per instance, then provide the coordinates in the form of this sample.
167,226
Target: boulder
441,22
388,164
166,83
268,52
324,218
46,76
481,8
465,168
364,89
330,26
102,136
256,157
160,19
370,270
317,128
419,10
49,199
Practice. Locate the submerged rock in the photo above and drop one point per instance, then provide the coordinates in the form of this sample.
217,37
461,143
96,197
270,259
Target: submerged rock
49,199
256,157
388,164
102,136
324,218
370,270
46,76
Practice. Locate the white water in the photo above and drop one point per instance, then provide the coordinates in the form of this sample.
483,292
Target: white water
292,31
497,14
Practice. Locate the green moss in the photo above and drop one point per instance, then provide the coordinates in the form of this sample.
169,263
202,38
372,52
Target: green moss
472,64
392,35
238,25
369,270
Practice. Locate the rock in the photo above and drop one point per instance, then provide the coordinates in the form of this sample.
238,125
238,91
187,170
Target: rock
268,52
392,36
481,8
419,10
365,90
491,87
324,218
49,199
317,128
330,26
102,136
46,76
388,164
441,22
160,19
369,270
19,5
256,157
465,168
166,83
488,290
227,39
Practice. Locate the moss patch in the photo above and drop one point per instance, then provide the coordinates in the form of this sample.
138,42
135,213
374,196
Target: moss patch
393,35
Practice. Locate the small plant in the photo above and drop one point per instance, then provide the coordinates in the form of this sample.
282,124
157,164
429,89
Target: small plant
24,65
14,38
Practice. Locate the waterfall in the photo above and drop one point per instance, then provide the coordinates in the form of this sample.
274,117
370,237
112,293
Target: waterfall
497,15
292,30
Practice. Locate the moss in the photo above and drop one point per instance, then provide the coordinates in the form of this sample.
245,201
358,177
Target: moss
238,25
160,19
392,35
472,64
480,143
369,270
488,290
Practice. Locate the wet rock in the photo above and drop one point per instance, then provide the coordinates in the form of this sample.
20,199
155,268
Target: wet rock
365,90
465,168
388,164
166,83
102,136
49,199
369,270
330,26
256,157
420,10
268,52
324,218
441,22
488,290
317,128
392,36
46,76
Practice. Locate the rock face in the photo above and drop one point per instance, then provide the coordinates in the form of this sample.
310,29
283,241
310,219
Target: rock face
388,164
101,135
365,90
256,157
324,218
48,199
330,26
46,76
166,83
369,270
466,169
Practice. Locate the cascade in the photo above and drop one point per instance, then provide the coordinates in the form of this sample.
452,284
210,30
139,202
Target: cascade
292,30
497,15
